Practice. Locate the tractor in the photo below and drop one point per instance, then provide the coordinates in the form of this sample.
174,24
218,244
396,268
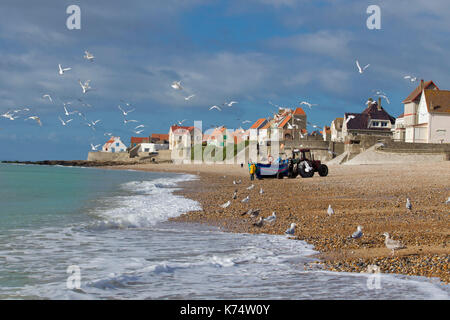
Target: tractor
305,165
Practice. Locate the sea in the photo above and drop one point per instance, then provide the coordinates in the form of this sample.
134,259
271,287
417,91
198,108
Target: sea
87,233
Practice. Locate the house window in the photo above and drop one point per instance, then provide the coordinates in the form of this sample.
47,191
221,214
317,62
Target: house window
384,124
117,144
375,124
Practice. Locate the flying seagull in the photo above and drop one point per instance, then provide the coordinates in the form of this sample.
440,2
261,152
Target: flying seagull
215,107
230,103
309,105
62,70
176,85
125,113
48,97
35,118
94,148
64,123
125,121
139,126
181,122
350,117
246,121
88,56
392,244
85,86
189,97
291,229
138,132
411,78
361,70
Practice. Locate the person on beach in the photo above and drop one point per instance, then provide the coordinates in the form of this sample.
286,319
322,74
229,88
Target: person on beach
252,171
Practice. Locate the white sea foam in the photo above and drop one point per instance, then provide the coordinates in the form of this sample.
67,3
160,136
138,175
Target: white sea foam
149,202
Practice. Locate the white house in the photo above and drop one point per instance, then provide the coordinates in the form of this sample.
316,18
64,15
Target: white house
114,144
398,132
153,147
336,130
184,137
432,119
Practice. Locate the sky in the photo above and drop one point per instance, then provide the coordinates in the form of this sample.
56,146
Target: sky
252,51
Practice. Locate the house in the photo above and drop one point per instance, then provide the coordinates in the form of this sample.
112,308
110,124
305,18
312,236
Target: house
218,137
326,133
183,137
427,114
299,116
159,138
398,132
114,144
153,147
374,120
336,130
138,140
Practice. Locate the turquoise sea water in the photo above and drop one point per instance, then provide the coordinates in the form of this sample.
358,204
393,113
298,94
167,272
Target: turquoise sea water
113,226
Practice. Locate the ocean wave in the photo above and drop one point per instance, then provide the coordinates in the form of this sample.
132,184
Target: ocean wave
150,202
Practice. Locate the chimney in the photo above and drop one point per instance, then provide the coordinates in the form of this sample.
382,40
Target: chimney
379,104
421,85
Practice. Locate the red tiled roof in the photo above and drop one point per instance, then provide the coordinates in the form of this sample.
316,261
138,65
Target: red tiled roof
139,140
283,123
299,111
401,116
418,90
160,136
258,123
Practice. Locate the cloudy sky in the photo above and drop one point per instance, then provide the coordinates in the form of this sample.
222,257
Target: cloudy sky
252,51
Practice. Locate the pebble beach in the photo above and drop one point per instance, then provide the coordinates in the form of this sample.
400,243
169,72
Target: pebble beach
372,196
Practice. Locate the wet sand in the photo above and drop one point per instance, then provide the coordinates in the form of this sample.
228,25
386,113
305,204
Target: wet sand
373,196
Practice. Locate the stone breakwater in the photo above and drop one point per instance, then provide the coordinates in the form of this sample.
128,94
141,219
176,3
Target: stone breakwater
371,196
73,163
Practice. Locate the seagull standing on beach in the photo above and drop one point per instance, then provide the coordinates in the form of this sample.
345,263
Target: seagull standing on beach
261,191
291,229
251,187
358,233
237,182
235,195
259,223
246,199
361,70
392,244
408,204
271,218
226,204
62,70
448,201
330,210
254,213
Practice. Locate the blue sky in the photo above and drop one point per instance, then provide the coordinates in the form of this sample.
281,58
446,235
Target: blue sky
252,51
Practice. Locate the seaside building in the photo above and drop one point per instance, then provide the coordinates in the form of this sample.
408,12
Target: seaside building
373,121
114,144
398,132
153,147
336,130
184,137
427,114
134,141
326,133
159,138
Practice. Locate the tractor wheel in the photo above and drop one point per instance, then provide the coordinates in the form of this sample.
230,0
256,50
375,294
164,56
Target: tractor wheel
323,170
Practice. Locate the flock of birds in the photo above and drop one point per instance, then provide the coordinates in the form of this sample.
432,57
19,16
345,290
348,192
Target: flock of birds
65,118
390,243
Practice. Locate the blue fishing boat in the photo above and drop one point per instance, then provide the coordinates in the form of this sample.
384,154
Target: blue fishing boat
278,169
